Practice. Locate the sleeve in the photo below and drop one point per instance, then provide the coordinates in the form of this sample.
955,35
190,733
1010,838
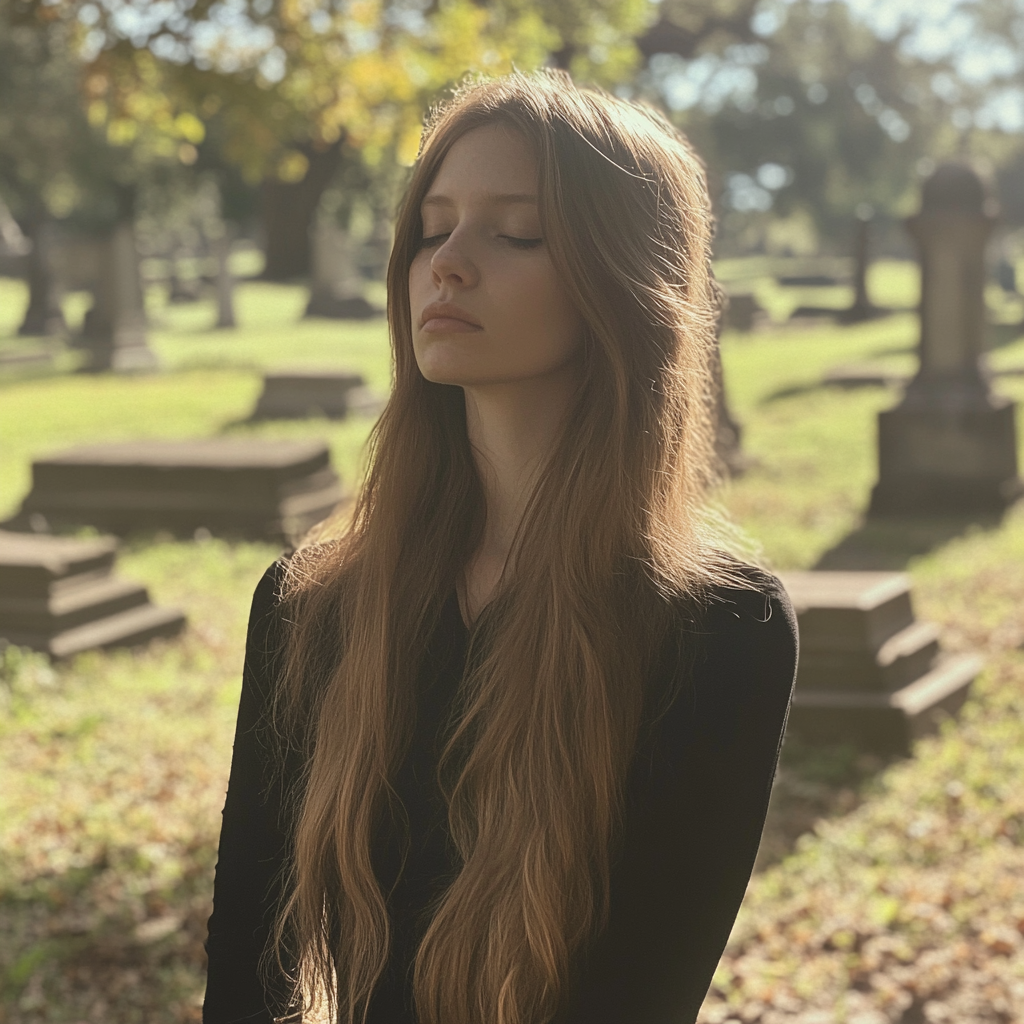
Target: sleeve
695,818
252,847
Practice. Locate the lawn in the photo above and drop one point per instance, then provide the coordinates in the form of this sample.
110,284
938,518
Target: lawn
886,891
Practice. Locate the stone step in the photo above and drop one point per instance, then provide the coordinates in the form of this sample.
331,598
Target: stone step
91,600
35,565
887,722
900,660
125,629
849,611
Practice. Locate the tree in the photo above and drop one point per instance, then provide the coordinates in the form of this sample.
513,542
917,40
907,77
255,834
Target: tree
802,112
296,85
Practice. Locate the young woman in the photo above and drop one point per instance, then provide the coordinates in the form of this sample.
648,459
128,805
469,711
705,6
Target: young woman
505,743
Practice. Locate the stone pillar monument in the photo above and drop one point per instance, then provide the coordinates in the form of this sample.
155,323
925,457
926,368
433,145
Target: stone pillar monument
115,328
44,315
336,286
225,279
949,447
863,308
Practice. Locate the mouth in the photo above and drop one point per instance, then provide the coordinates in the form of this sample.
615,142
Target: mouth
446,317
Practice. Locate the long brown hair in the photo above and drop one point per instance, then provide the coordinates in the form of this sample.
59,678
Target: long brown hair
611,543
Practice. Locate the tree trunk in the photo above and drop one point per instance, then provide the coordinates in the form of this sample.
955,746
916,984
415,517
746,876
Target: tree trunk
288,212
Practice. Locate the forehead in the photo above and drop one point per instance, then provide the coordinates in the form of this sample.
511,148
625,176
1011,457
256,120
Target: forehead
491,165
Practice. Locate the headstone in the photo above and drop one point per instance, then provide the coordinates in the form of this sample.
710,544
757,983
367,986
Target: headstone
1006,276
225,282
742,311
869,672
44,315
336,287
863,308
950,446
728,432
60,596
298,394
259,489
114,333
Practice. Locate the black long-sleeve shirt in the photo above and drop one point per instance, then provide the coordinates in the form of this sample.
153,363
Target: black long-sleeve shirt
696,803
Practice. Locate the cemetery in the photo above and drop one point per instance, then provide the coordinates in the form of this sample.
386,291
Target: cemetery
930,600
194,351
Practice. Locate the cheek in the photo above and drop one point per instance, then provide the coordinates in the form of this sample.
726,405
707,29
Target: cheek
547,316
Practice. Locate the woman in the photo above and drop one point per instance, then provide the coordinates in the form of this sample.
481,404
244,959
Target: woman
505,744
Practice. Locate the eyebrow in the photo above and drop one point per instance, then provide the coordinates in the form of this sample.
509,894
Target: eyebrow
505,198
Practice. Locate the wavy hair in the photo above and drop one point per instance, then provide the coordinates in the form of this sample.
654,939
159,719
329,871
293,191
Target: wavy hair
612,541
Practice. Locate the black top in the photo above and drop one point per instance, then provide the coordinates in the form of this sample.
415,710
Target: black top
696,803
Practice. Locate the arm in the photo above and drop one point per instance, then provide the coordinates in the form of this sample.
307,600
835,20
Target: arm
252,841
694,818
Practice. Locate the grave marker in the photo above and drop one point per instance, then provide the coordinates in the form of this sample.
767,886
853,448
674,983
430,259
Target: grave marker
59,595
869,672
336,288
114,333
298,394
259,489
950,446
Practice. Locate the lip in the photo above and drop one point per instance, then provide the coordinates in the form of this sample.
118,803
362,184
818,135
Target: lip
443,317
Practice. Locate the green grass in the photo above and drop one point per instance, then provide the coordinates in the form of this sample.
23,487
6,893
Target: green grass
881,883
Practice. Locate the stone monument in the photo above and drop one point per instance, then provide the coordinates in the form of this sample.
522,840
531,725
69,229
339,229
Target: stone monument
298,394
728,431
950,446
59,595
743,310
336,289
258,489
863,308
225,280
114,333
869,672
44,315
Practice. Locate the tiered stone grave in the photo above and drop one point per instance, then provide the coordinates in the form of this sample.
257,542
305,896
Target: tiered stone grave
297,394
60,596
273,490
869,672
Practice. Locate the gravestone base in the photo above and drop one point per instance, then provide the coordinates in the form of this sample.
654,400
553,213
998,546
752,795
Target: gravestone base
260,490
299,394
946,459
326,304
124,350
58,595
885,722
870,674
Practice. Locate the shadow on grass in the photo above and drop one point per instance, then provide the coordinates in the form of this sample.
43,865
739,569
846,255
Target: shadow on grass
891,544
815,782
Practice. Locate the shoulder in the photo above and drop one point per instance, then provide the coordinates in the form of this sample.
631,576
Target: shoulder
752,606
735,649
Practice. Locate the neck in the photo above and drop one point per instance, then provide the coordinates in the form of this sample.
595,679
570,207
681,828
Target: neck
512,430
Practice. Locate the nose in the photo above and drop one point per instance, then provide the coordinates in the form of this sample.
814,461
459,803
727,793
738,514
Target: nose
452,264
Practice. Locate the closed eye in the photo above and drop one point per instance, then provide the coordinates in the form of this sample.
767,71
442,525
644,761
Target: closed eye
522,243
433,240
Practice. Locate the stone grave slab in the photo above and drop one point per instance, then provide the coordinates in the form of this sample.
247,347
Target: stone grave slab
298,394
59,595
870,673
257,489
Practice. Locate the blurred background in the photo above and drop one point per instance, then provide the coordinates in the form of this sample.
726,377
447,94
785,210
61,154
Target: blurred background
196,203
